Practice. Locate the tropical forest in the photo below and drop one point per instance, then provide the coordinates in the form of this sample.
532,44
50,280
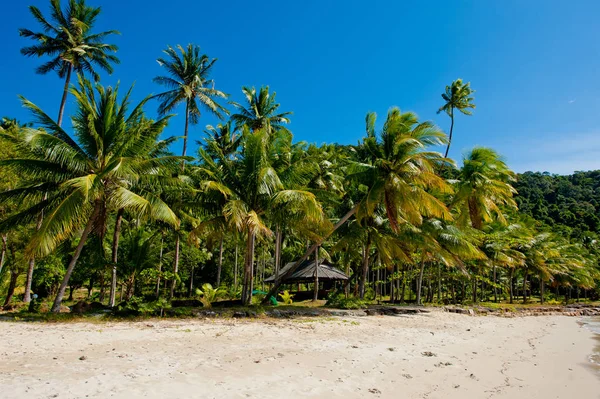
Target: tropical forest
105,203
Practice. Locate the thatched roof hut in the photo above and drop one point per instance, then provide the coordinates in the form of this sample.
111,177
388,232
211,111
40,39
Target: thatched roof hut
305,273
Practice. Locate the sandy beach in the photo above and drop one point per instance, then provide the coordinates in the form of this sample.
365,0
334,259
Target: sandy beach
435,355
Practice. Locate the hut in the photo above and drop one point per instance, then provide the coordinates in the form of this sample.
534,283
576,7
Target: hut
308,272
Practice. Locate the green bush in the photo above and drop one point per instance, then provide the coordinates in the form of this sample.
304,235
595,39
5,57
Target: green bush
340,301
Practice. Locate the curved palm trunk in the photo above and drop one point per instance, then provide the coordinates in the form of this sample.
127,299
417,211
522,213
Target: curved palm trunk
451,128
541,289
248,283
63,102
74,258
420,281
115,250
175,268
275,288
365,267
14,274
3,252
220,267
510,283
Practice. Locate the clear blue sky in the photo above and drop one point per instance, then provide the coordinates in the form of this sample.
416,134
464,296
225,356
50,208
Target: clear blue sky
535,66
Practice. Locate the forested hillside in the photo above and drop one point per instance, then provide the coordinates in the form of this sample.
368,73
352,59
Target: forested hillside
568,203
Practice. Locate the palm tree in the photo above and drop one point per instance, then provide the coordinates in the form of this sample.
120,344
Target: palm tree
86,177
245,189
399,173
442,243
457,96
484,186
69,39
188,82
260,111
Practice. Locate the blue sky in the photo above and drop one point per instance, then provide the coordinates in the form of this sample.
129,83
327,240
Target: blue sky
535,66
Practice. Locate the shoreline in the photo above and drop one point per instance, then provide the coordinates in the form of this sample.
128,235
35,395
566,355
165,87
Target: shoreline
427,355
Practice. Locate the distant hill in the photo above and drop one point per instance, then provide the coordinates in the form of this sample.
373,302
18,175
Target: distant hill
571,201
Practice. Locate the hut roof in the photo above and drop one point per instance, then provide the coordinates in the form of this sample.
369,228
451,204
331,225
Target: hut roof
306,273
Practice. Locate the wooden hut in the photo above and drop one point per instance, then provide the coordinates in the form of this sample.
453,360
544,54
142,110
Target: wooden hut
308,272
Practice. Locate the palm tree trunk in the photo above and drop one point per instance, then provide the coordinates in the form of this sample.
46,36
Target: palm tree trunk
191,286
451,128
74,258
115,250
525,287
439,282
175,267
185,133
392,282
160,258
14,274
365,267
31,266
420,281
235,267
3,252
63,101
278,237
273,291
248,283
495,283
316,288
220,267
510,283
541,289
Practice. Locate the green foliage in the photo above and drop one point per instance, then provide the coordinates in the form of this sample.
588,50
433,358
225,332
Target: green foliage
137,306
209,294
287,297
339,301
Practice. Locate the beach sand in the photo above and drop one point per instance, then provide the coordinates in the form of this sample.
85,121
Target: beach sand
435,355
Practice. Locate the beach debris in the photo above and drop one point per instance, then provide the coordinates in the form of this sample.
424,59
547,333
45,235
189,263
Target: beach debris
407,376
375,391
428,354
83,358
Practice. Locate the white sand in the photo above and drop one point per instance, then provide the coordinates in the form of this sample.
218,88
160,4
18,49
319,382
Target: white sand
379,357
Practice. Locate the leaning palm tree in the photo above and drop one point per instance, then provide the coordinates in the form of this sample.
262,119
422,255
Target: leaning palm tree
457,96
260,111
400,174
86,176
68,38
484,187
188,82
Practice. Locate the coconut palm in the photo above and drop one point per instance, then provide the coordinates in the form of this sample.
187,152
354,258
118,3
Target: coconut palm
484,187
443,243
260,111
87,176
69,39
247,188
188,82
457,96
399,174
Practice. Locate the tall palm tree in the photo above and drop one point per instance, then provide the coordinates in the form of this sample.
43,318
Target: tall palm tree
69,39
86,176
400,175
484,186
188,82
457,96
260,111
248,188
